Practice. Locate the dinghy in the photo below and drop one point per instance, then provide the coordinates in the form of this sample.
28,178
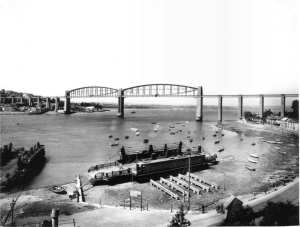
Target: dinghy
250,168
254,155
252,160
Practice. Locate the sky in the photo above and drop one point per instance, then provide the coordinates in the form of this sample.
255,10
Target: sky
228,47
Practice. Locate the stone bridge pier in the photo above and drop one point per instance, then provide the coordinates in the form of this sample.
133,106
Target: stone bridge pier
121,99
48,103
199,107
240,108
56,106
262,105
220,108
282,109
67,103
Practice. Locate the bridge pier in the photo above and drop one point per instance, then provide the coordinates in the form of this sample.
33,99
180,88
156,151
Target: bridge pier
121,103
67,103
282,109
48,103
199,107
240,108
262,105
220,108
56,107
29,101
38,101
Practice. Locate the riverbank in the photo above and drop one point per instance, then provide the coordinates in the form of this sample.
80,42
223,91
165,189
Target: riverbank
36,206
270,127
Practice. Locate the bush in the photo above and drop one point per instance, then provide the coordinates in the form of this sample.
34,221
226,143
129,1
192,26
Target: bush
280,214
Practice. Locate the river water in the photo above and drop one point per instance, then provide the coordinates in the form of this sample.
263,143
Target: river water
77,141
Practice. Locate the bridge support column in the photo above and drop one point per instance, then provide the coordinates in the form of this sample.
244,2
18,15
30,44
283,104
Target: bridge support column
282,109
121,103
240,107
67,104
199,108
262,105
48,103
29,101
220,108
56,107
38,101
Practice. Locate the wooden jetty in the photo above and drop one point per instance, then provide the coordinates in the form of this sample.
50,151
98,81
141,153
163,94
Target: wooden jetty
164,189
185,184
197,178
194,182
173,186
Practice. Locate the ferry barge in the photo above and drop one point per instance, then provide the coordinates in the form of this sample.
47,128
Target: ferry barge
21,168
153,167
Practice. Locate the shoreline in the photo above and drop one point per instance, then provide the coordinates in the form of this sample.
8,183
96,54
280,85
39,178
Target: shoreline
268,127
79,211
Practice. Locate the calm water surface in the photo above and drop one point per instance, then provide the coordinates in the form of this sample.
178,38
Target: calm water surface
75,142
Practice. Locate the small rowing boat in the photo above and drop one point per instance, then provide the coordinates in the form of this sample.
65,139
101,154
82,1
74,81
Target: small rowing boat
220,150
252,160
254,155
114,144
250,168
58,189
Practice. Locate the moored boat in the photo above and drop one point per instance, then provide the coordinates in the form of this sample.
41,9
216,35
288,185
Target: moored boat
254,155
250,168
151,163
58,189
252,160
152,168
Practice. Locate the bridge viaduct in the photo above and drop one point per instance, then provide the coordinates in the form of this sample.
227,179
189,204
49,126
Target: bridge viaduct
150,90
169,90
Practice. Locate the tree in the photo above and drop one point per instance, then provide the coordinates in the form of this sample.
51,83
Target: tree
248,115
295,107
280,214
179,220
267,113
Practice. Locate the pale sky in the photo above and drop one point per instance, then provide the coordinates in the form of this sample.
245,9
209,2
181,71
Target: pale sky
232,47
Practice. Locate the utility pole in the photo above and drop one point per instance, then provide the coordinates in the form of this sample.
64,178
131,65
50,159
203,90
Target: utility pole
189,199
12,207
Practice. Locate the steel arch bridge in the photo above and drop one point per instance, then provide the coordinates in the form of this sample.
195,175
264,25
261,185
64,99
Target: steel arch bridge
93,91
160,90
145,90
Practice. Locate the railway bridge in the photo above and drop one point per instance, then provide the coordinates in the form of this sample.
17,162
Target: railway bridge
148,90
170,90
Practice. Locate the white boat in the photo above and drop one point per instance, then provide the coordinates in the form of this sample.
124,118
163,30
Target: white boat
250,168
134,129
254,155
252,160
114,144
137,133
272,142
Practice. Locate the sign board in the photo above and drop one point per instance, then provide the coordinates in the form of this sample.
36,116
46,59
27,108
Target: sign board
135,193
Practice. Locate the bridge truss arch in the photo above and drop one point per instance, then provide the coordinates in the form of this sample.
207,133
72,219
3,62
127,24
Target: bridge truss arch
161,90
93,91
